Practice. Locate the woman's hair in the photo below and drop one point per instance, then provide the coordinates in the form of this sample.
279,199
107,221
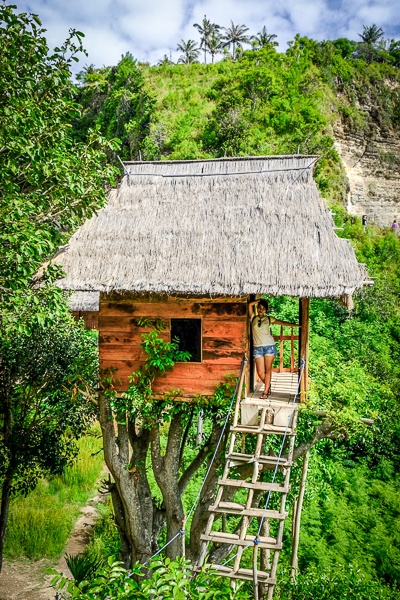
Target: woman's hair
264,303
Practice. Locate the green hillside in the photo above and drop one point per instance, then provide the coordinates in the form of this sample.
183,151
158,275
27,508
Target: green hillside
264,103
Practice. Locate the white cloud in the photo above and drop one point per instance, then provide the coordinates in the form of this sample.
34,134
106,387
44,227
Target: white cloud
154,28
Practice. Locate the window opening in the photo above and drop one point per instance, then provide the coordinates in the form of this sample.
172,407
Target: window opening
188,332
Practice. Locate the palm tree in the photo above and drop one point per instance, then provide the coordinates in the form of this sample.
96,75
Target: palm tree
372,47
236,35
215,45
264,39
372,34
206,30
190,52
166,60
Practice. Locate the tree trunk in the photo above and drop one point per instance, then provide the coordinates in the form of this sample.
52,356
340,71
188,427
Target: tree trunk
136,502
201,514
5,505
166,472
297,516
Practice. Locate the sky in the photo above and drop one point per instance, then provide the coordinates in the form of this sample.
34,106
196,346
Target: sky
150,29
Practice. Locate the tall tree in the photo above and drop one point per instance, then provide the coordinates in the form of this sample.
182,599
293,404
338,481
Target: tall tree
215,45
372,47
236,35
47,379
49,183
206,30
371,34
190,52
264,39
115,101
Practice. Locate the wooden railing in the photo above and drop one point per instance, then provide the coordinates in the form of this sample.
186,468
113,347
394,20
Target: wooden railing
281,339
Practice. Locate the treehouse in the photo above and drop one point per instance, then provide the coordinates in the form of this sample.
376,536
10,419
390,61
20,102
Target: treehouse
190,242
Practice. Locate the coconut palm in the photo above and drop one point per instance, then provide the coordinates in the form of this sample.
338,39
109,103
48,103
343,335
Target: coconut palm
372,47
236,35
264,39
206,30
215,45
166,60
190,52
371,34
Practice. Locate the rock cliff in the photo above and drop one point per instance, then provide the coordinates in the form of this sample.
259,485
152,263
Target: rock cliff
371,157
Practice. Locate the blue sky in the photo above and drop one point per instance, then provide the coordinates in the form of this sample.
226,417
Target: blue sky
150,29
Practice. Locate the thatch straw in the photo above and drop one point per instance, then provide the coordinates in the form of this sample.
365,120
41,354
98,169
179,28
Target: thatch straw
85,301
188,227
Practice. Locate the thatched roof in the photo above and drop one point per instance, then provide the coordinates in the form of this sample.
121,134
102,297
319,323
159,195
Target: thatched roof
221,227
84,301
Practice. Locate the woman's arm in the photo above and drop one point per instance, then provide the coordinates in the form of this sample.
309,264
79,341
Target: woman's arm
251,310
277,322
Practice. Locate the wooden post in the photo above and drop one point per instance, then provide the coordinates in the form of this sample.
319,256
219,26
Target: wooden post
297,517
199,435
304,304
251,359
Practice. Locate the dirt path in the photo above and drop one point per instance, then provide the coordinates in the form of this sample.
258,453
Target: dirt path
26,580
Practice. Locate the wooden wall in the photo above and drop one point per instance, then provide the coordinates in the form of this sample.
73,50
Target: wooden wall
224,339
90,318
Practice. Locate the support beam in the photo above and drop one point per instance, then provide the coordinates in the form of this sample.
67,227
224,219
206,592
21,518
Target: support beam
304,332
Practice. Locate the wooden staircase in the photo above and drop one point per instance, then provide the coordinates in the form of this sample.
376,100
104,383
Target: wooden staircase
251,495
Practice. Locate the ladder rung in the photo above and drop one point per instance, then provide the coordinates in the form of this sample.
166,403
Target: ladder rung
264,459
258,485
233,508
265,429
233,540
247,574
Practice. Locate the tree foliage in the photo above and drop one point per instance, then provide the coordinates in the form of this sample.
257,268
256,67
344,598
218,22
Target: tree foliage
116,102
47,379
49,183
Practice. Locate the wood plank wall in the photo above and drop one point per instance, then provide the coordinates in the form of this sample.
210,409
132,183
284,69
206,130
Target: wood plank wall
224,339
90,318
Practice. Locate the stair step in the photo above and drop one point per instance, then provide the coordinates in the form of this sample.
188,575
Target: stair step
217,537
264,459
247,574
258,485
270,402
264,429
234,508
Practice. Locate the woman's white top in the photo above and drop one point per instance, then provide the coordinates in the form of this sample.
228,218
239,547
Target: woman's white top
262,335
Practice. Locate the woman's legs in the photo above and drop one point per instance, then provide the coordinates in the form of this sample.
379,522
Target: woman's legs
260,366
264,370
268,362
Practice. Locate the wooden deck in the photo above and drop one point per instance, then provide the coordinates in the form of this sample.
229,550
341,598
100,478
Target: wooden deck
283,391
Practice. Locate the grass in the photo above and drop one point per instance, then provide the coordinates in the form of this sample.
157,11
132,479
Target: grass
40,524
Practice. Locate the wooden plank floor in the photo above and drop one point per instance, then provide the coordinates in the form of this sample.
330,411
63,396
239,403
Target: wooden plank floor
283,391
283,388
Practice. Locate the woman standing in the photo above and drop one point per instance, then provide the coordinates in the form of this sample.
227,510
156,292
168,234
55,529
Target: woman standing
263,341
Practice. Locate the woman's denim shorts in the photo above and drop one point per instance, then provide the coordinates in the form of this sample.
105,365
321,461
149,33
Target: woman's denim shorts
260,351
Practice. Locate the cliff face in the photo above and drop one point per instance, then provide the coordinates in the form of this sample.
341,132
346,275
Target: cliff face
371,157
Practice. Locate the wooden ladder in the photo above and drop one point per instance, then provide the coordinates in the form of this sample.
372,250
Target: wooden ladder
260,508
